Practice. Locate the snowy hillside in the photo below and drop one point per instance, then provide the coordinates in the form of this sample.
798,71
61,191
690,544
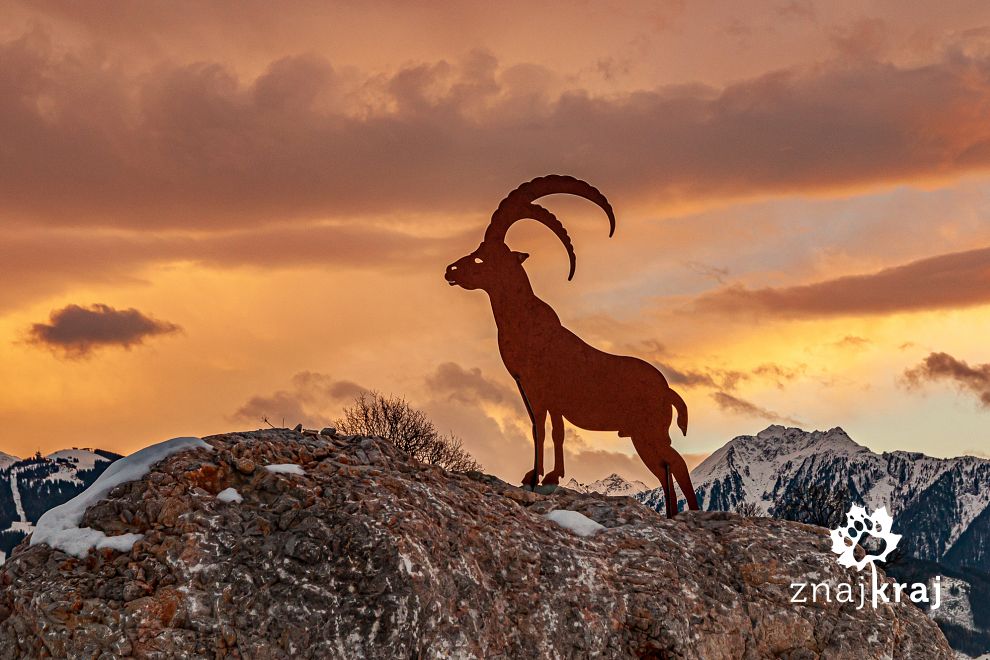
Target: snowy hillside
612,485
6,460
29,487
82,459
942,506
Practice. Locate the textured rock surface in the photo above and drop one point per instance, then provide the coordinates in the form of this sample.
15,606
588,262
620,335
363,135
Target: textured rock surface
370,554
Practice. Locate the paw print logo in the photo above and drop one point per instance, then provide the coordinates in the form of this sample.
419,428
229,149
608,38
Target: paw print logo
858,526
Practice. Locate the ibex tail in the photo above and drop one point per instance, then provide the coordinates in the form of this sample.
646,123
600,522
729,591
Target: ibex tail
681,408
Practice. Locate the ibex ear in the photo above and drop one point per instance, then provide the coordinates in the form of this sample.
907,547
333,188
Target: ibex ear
521,256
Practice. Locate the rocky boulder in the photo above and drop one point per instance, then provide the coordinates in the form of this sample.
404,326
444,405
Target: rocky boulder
360,551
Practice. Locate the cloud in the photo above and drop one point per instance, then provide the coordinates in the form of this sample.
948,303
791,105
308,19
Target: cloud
852,342
280,409
708,377
308,401
89,143
313,387
76,331
942,366
713,377
959,279
656,353
687,378
468,385
778,374
738,406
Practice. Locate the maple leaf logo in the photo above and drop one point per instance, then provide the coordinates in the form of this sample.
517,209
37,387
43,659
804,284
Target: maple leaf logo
859,525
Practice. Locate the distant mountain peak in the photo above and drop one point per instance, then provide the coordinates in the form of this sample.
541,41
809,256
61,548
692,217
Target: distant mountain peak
6,460
789,436
82,457
936,502
613,485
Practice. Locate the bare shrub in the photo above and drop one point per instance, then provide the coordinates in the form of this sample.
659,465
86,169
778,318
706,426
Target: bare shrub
748,509
392,418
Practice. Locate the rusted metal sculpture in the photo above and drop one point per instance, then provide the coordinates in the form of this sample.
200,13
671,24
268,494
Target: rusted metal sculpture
556,372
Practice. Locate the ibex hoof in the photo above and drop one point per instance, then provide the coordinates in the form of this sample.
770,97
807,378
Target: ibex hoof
552,479
531,479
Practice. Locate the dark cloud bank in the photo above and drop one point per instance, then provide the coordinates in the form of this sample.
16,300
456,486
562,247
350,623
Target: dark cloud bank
195,146
959,279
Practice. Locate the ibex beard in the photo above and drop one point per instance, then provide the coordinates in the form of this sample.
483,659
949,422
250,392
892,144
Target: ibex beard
558,374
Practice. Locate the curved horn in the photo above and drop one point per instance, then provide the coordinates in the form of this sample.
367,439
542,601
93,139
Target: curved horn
550,221
548,185
518,205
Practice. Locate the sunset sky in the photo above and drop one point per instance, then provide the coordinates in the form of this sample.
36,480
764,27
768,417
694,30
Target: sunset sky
214,212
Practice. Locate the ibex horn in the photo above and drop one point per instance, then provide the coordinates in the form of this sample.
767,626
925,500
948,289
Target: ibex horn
519,205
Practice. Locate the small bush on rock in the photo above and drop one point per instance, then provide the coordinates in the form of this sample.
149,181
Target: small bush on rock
392,418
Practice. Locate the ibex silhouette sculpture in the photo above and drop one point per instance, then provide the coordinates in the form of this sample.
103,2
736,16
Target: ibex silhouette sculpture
556,372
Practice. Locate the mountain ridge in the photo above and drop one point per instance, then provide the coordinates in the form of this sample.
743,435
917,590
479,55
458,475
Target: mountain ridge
30,486
941,506
612,485
935,501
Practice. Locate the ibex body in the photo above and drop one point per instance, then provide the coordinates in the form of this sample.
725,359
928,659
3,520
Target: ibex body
558,374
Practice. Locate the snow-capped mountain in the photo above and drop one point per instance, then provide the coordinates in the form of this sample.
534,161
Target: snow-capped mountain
611,485
6,460
31,486
940,506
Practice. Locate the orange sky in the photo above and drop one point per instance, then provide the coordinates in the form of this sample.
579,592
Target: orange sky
214,212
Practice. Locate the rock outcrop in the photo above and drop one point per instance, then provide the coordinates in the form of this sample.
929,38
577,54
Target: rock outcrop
368,553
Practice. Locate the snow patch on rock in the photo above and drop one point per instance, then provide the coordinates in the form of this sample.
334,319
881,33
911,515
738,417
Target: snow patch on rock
286,468
230,495
576,522
59,527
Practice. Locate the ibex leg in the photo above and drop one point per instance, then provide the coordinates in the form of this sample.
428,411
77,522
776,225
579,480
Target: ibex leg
653,449
679,469
557,434
669,494
539,420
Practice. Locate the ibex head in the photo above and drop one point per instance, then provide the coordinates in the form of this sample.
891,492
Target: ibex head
493,264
